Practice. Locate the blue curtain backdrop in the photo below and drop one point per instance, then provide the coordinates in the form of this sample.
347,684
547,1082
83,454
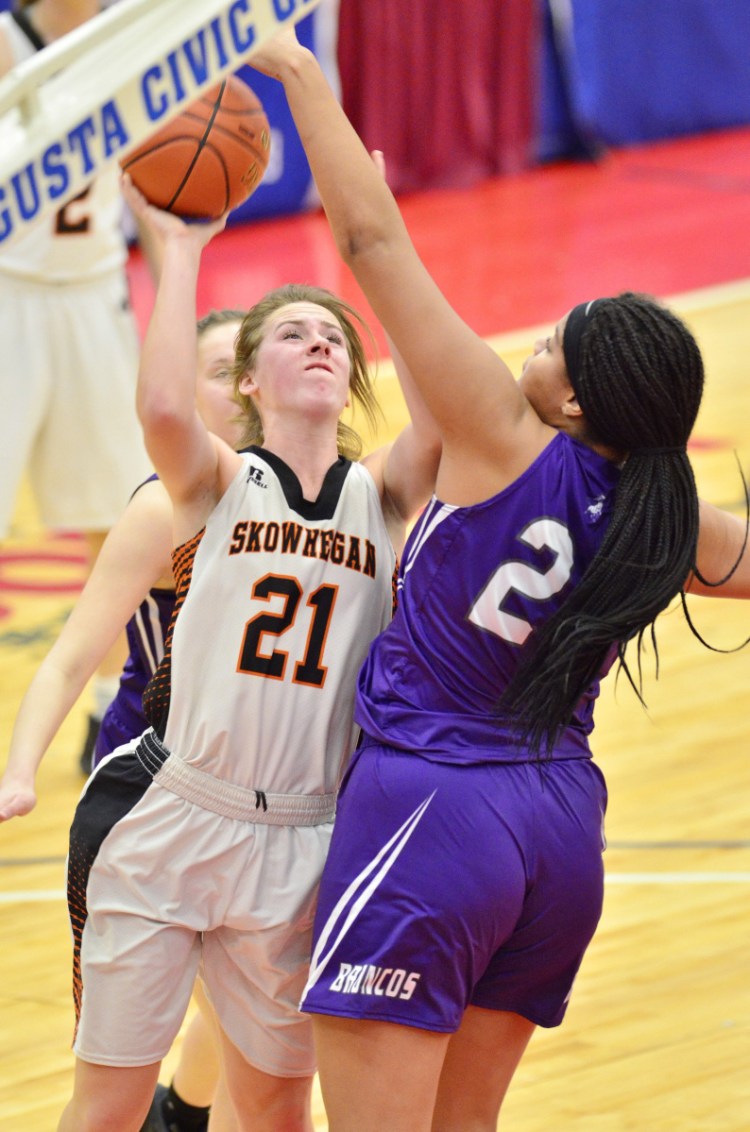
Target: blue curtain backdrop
617,72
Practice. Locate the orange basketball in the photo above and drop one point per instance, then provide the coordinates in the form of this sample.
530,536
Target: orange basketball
210,158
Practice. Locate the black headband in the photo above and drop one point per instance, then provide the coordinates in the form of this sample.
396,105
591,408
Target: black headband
575,325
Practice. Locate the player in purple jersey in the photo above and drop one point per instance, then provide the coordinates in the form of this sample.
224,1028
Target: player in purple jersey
464,879
146,632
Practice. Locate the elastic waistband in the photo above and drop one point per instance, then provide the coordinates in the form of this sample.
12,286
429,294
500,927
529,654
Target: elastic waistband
225,798
15,277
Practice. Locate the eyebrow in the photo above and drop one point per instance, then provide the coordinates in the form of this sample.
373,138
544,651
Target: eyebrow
302,322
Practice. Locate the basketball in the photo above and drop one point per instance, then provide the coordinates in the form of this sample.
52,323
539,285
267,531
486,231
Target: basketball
207,160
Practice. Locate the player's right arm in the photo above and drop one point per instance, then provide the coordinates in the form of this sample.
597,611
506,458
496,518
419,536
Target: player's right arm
135,557
194,465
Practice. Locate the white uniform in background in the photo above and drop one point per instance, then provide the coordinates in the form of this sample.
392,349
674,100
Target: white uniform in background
69,355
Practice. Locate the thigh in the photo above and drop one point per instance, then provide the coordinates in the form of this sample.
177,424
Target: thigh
480,1061
264,1102
256,962
377,1075
425,879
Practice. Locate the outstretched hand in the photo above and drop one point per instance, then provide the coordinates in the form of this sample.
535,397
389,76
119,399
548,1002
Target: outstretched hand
165,225
15,801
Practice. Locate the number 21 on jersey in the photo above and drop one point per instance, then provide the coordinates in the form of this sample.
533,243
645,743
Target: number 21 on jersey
258,657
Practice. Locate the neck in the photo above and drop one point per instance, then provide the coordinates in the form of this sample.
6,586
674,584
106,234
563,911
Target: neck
579,432
309,453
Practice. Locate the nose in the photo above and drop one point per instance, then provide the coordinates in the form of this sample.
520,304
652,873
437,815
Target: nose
539,345
320,343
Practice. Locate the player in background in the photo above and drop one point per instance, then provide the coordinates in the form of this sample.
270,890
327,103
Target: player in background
202,842
464,880
134,572
70,352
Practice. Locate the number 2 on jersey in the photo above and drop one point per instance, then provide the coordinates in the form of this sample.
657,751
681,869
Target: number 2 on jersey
309,669
524,579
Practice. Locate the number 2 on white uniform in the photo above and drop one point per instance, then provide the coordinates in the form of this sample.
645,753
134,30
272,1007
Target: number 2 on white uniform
524,579
309,670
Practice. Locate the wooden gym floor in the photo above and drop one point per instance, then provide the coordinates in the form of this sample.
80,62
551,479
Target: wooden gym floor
657,1035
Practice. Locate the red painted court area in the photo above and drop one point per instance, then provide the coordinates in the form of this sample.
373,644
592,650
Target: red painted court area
518,251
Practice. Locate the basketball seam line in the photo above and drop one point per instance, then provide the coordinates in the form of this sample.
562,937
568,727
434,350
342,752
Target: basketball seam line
206,132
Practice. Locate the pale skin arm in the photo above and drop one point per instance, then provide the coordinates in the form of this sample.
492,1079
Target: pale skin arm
490,432
720,543
152,249
405,471
194,465
135,557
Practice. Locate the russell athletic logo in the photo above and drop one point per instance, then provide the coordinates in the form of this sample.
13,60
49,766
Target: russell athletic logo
364,979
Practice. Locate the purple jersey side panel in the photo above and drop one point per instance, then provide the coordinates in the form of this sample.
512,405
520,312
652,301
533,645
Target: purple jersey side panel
146,633
474,582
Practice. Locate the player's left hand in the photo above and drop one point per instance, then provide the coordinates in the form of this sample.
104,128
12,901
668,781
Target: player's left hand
165,225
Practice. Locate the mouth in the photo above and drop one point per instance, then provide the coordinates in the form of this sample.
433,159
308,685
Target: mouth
319,365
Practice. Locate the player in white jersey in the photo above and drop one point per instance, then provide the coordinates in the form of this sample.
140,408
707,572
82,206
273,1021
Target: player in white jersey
200,847
70,346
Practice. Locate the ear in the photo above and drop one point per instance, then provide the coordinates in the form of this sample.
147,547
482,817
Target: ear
247,383
570,407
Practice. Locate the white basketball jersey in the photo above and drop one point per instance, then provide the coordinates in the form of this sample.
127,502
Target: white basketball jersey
85,238
278,601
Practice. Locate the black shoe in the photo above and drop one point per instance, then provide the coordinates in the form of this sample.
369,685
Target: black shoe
86,757
162,1116
156,1121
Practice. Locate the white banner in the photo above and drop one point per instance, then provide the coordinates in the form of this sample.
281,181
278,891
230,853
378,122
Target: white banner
91,97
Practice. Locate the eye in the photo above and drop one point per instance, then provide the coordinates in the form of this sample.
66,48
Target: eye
223,375
336,338
291,333
548,344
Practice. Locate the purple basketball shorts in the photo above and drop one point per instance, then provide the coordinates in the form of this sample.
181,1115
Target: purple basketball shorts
452,884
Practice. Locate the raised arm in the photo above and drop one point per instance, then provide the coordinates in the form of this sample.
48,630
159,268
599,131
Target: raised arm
135,557
406,470
193,464
481,413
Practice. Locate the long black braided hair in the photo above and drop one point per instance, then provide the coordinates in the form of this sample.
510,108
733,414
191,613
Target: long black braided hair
637,373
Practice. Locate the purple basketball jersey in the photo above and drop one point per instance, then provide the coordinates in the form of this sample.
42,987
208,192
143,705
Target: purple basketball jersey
474,582
146,633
